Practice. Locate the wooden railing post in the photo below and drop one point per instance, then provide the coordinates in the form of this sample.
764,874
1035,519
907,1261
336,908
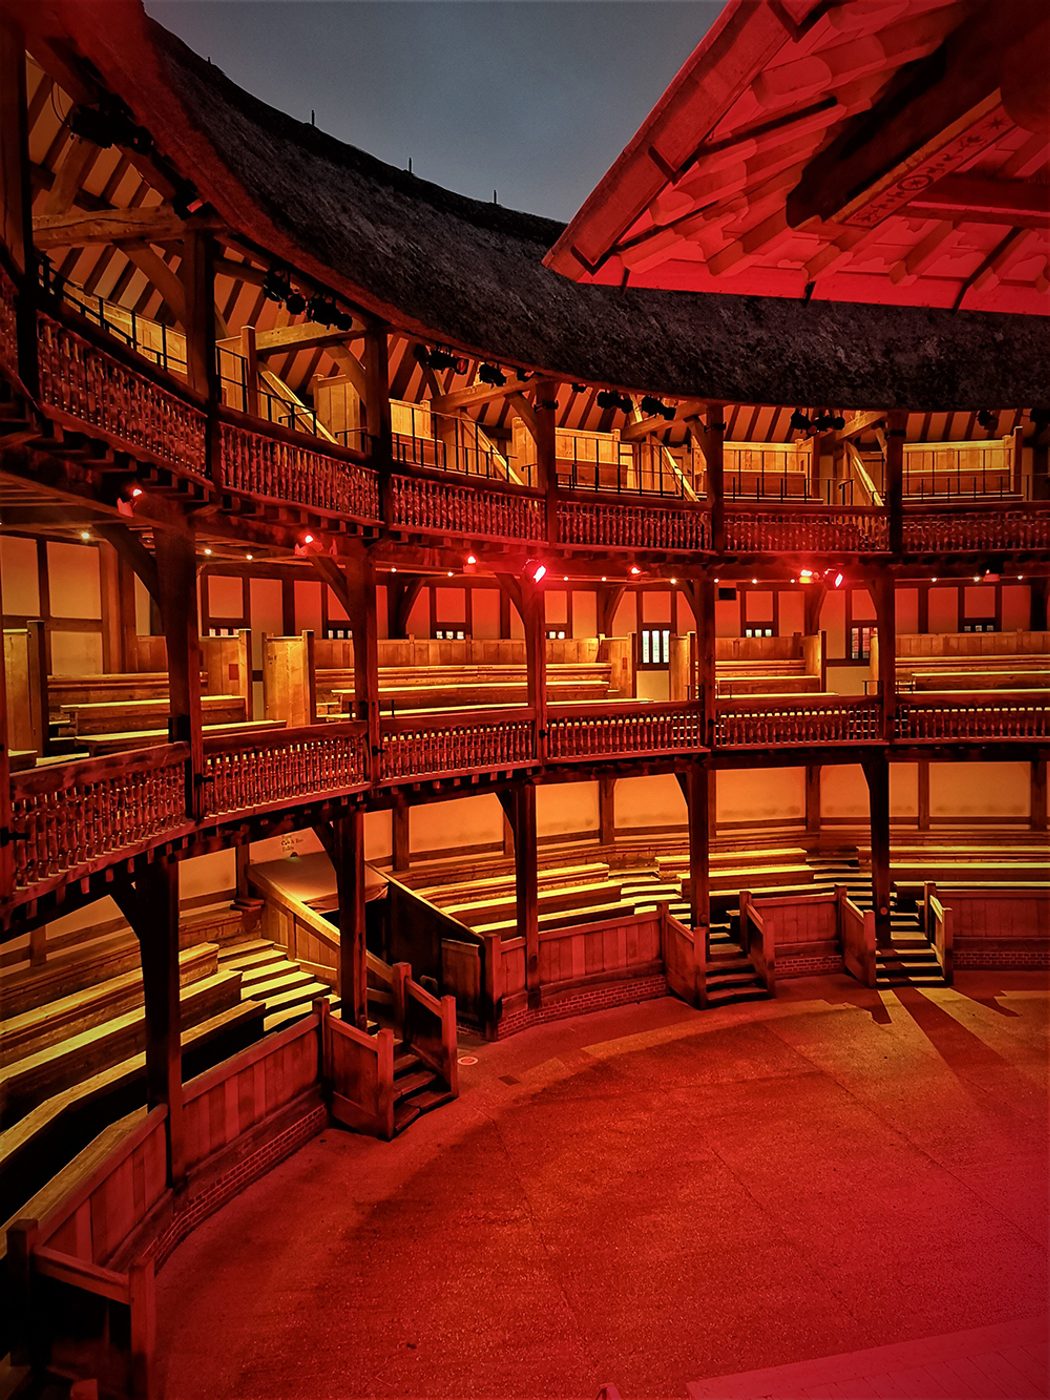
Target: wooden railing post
23,1319
143,1308
348,858
519,803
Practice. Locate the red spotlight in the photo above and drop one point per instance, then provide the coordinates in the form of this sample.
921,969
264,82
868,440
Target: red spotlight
834,577
635,570
472,559
136,491
535,570
806,575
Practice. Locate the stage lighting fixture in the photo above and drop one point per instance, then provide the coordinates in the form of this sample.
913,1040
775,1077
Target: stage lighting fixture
492,374
295,303
276,286
987,419
186,201
800,422
535,571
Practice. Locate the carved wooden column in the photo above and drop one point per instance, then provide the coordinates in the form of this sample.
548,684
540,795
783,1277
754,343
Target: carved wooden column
877,773
813,771
884,597
896,425
606,809
519,803
198,278
177,600
16,218
544,411
7,859
347,851
534,621
376,356
700,594
151,907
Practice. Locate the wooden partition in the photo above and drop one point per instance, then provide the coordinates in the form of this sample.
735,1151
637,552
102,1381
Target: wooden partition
289,692
25,675
228,667
995,928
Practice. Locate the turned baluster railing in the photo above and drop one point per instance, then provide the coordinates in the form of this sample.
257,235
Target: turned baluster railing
1009,715
252,773
619,729
101,389
72,817
9,365
436,745
425,505
817,529
277,465
625,525
783,721
954,529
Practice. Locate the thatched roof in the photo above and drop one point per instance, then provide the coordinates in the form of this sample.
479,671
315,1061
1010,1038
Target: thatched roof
469,273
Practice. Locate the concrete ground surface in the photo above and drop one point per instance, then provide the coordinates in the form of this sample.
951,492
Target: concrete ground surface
649,1196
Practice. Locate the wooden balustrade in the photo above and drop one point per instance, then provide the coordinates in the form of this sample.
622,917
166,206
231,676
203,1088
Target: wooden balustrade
96,389
1009,715
783,721
623,525
359,1074
427,1025
809,529
434,746
8,325
250,773
938,924
277,465
76,817
426,505
856,931
956,529
620,730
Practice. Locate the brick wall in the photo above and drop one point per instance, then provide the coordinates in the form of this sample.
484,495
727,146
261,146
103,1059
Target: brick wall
597,998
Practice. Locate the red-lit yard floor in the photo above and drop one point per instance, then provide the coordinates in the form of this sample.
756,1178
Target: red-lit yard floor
648,1196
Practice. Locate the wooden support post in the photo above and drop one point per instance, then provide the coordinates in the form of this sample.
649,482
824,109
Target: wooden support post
544,414
151,907
361,608
700,595
534,622
884,598
198,279
113,658
713,436
698,786
519,804
813,603
348,857
177,600
377,394
896,427
16,208
606,809
813,799
7,859
877,772
508,835
242,894
251,371
400,837
1038,593
1037,805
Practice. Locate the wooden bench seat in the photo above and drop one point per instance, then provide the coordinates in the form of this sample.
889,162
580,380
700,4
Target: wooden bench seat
560,919
108,688
95,745
678,860
558,897
69,1015
1014,678
563,875
767,684
760,665
100,717
26,1082
941,870
95,960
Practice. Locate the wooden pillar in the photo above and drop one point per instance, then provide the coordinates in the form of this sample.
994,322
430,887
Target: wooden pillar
361,608
151,907
896,426
700,594
712,441
377,394
813,799
198,278
16,218
113,658
1037,806
698,787
401,837
177,599
519,803
7,859
812,605
1038,591
251,372
348,857
884,598
545,410
606,809
877,772
533,617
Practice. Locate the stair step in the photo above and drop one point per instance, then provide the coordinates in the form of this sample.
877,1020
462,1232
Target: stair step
233,952
305,993
404,1114
729,996
410,1084
718,983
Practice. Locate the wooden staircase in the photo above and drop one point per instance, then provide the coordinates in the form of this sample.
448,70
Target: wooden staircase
417,1088
731,975
270,976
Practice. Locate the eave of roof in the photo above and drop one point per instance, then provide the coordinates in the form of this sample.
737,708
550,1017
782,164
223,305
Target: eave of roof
459,271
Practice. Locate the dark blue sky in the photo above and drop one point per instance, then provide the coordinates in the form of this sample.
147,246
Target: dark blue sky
534,98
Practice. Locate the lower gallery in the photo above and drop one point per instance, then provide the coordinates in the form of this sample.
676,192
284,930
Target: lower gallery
523,849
